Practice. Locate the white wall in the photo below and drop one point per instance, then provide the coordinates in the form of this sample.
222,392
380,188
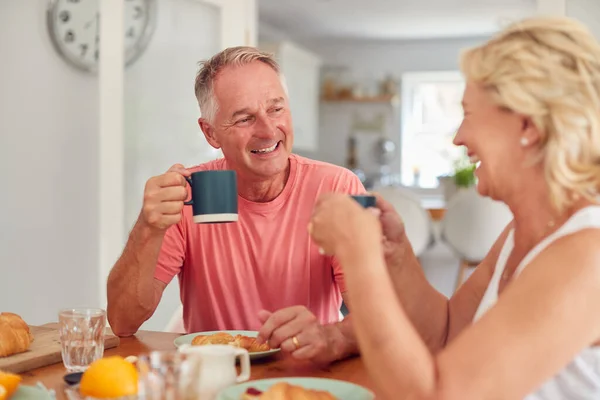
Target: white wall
373,60
48,171
586,11
161,110
49,244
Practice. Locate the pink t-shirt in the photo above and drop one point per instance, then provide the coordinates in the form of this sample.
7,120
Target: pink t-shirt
267,260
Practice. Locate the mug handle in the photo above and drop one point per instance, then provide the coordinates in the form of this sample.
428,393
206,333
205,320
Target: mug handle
191,202
244,357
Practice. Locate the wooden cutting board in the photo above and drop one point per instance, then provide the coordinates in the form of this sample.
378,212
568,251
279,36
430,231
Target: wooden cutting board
45,350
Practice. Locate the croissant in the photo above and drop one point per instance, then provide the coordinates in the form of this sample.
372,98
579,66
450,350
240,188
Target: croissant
285,391
217,338
249,344
240,341
15,336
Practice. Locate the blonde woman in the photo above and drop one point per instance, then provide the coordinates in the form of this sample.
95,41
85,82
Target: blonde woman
527,322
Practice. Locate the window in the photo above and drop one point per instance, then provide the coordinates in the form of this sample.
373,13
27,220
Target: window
431,114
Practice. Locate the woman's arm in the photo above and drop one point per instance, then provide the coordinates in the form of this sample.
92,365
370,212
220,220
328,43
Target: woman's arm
464,303
436,319
543,319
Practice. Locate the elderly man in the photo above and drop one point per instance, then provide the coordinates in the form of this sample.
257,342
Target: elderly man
263,272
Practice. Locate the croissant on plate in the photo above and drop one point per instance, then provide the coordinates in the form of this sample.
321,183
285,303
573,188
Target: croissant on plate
249,343
241,341
217,338
285,391
15,336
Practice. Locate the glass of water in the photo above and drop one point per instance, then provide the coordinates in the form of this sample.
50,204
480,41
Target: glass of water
167,375
81,337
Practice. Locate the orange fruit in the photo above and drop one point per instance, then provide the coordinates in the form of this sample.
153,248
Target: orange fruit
3,393
10,382
109,378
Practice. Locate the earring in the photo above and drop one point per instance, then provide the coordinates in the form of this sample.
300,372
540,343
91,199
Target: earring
524,141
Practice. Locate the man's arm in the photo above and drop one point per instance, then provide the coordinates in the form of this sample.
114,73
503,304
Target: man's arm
132,291
341,337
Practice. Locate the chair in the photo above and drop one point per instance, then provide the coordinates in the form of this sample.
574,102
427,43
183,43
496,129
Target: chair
175,324
417,220
471,225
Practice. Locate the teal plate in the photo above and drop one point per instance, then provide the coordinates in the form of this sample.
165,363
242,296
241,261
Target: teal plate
31,393
340,389
187,339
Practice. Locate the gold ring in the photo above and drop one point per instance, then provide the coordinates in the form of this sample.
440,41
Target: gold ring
296,343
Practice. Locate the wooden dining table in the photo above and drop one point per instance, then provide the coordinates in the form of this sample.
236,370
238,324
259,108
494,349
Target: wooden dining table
279,365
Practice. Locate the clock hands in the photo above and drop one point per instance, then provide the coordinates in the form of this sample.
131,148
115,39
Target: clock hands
90,22
96,51
96,22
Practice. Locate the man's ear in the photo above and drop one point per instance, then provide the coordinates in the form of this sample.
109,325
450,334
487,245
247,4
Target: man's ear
530,131
209,133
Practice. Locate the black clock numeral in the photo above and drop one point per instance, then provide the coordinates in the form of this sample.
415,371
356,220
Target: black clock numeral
72,1
64,16
83,48
131,32
96,55
138,12
70,36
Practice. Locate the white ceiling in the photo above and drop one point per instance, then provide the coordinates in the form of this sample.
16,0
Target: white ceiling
391,19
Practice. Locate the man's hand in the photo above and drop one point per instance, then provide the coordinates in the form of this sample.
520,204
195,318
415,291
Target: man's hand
163,198
297,331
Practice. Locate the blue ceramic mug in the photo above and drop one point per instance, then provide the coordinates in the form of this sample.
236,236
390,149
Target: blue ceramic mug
365,200
214,196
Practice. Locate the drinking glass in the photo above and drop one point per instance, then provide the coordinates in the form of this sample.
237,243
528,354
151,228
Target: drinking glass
167,375
81,337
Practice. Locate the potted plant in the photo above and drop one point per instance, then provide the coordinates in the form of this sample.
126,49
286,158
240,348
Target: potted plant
462,178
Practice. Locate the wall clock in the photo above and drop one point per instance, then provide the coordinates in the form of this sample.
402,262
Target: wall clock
74,28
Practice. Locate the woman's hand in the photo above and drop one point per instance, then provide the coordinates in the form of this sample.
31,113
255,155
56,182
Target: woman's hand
395,242
339,225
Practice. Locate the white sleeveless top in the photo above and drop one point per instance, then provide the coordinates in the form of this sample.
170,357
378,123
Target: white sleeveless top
580,380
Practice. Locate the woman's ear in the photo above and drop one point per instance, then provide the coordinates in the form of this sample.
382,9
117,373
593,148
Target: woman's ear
530,133
209,133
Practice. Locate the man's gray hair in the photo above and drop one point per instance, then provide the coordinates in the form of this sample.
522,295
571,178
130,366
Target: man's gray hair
209,69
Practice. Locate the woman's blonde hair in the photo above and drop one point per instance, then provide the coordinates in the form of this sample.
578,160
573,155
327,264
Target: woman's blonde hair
548,68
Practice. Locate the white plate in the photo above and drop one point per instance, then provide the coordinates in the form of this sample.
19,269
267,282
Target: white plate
25,392
253,356
340,389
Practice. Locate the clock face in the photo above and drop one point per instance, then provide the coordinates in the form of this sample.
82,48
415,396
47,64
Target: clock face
75,30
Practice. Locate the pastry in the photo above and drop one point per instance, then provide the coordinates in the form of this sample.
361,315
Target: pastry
15,336
249,343
286,391
217,338
241,341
